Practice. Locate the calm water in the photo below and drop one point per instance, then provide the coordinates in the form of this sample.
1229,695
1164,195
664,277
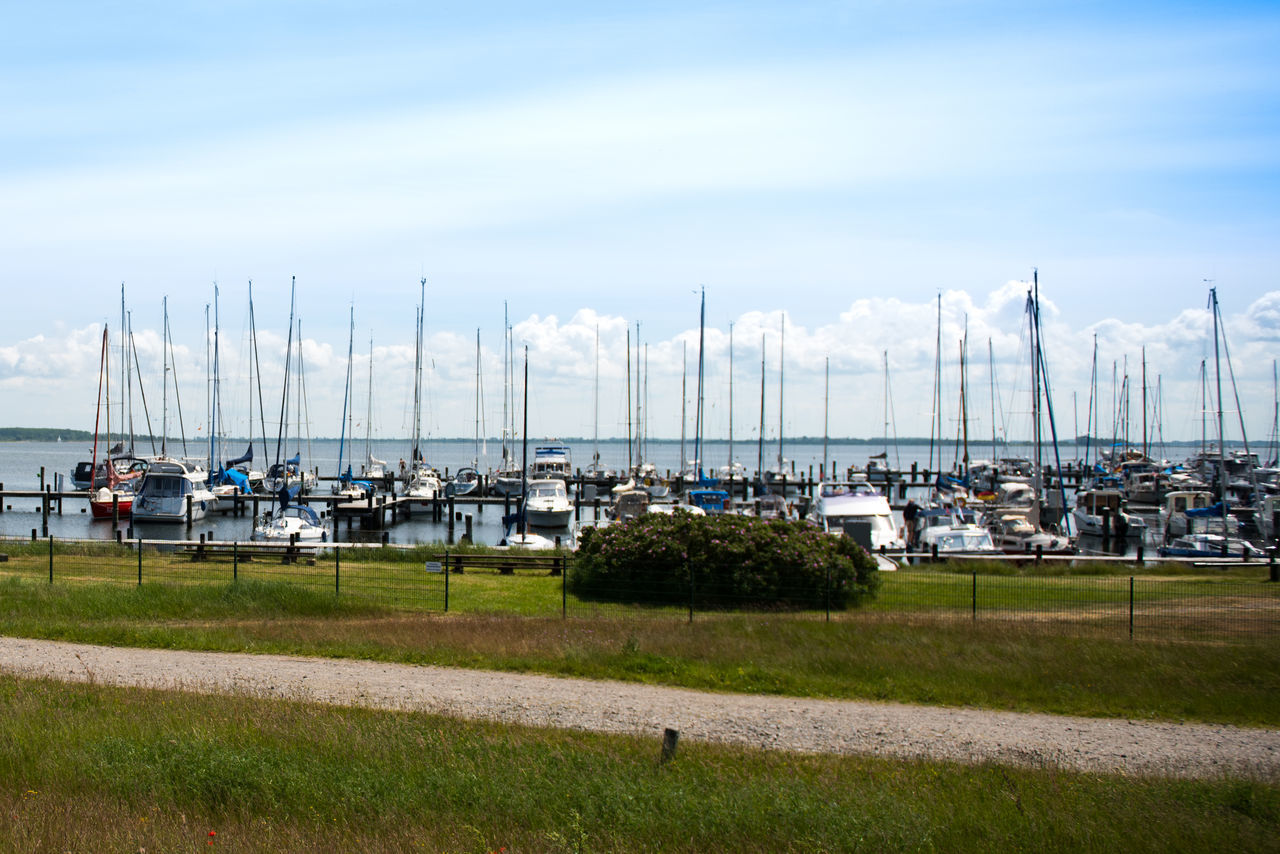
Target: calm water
21,463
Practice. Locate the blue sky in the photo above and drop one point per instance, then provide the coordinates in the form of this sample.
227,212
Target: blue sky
842,163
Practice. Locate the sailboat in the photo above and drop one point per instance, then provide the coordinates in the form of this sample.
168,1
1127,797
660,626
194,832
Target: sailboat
115,499
467,479
509,478
288,520
374,468
420,479
519,521
173,489
345,486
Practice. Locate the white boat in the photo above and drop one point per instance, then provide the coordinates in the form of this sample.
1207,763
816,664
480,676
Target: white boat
293,522
1193,511
423,482
547,504
1210,546
551,461
527,541
953,531
1091,504
842,505
168,488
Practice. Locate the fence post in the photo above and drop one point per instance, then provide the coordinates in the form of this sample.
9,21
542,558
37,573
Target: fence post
139,561
564,591
975,597
446,582
51,558
1131,607
337,568
689,569
1273,572
827,591
235,560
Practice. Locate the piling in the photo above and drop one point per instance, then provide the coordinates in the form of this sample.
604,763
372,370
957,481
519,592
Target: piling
467,523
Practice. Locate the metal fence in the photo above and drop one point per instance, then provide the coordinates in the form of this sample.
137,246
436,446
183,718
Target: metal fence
1239,602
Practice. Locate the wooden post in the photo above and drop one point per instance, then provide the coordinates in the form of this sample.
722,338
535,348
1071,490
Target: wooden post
670,739
189,510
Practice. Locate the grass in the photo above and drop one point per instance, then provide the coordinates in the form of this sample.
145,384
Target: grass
882,656
92,768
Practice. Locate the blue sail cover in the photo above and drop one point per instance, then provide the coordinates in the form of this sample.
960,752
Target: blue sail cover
235,477
1212,511
246,458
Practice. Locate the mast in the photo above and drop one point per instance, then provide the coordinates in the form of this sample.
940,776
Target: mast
632,461
826,405
479,392
935,422
97,412
1091,417
697,417
164,389
642,409
760,451
1145,443
368,416
1033,302
347,408
506,385
782,366
282,431
595,401
991,377
730,399
1222,450
524,440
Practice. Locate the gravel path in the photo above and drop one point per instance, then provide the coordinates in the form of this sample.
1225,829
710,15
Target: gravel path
782,723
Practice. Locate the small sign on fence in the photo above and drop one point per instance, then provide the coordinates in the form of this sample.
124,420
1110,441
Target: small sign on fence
434,566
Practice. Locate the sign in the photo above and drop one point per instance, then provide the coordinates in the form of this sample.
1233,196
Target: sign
434,566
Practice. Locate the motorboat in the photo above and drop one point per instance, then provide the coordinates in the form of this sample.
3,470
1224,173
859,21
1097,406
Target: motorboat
1014,533
1193,511
712,502
292,522
551,461
465,482
173,490
1093,505
423,482
1210,546
953,530
843,507
547,505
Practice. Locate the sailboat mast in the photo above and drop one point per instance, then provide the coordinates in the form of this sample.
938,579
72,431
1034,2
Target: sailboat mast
642,407
164,387
782,366
368,414
1032,309
631,460
97,412
730,469
595,406
1145,442
826,405
476,462
283,429
1222,445
991,378
760,451
346,391
697,418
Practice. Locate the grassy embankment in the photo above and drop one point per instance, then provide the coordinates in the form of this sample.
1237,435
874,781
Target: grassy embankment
1068,651
91,768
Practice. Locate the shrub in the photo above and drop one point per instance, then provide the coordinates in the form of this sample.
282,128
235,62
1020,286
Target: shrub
728,561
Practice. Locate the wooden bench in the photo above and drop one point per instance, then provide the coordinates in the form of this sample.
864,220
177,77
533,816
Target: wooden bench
505,564
247,553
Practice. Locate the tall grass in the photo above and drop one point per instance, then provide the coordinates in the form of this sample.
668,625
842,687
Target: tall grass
90,768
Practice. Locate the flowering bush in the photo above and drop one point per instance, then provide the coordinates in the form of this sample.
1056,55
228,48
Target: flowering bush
721,561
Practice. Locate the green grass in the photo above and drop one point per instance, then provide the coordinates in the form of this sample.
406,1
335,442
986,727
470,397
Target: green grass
1000,664
91,768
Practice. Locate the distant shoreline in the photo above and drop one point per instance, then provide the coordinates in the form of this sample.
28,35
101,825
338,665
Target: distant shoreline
48,434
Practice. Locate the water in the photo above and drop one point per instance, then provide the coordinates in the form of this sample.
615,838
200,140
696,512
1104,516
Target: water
21,462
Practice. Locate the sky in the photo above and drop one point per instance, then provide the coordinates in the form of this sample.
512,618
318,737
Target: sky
843,171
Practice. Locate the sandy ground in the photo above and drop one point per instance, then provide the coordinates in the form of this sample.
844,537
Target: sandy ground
774,723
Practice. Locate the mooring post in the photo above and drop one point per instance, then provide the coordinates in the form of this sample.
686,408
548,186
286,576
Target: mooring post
670,739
